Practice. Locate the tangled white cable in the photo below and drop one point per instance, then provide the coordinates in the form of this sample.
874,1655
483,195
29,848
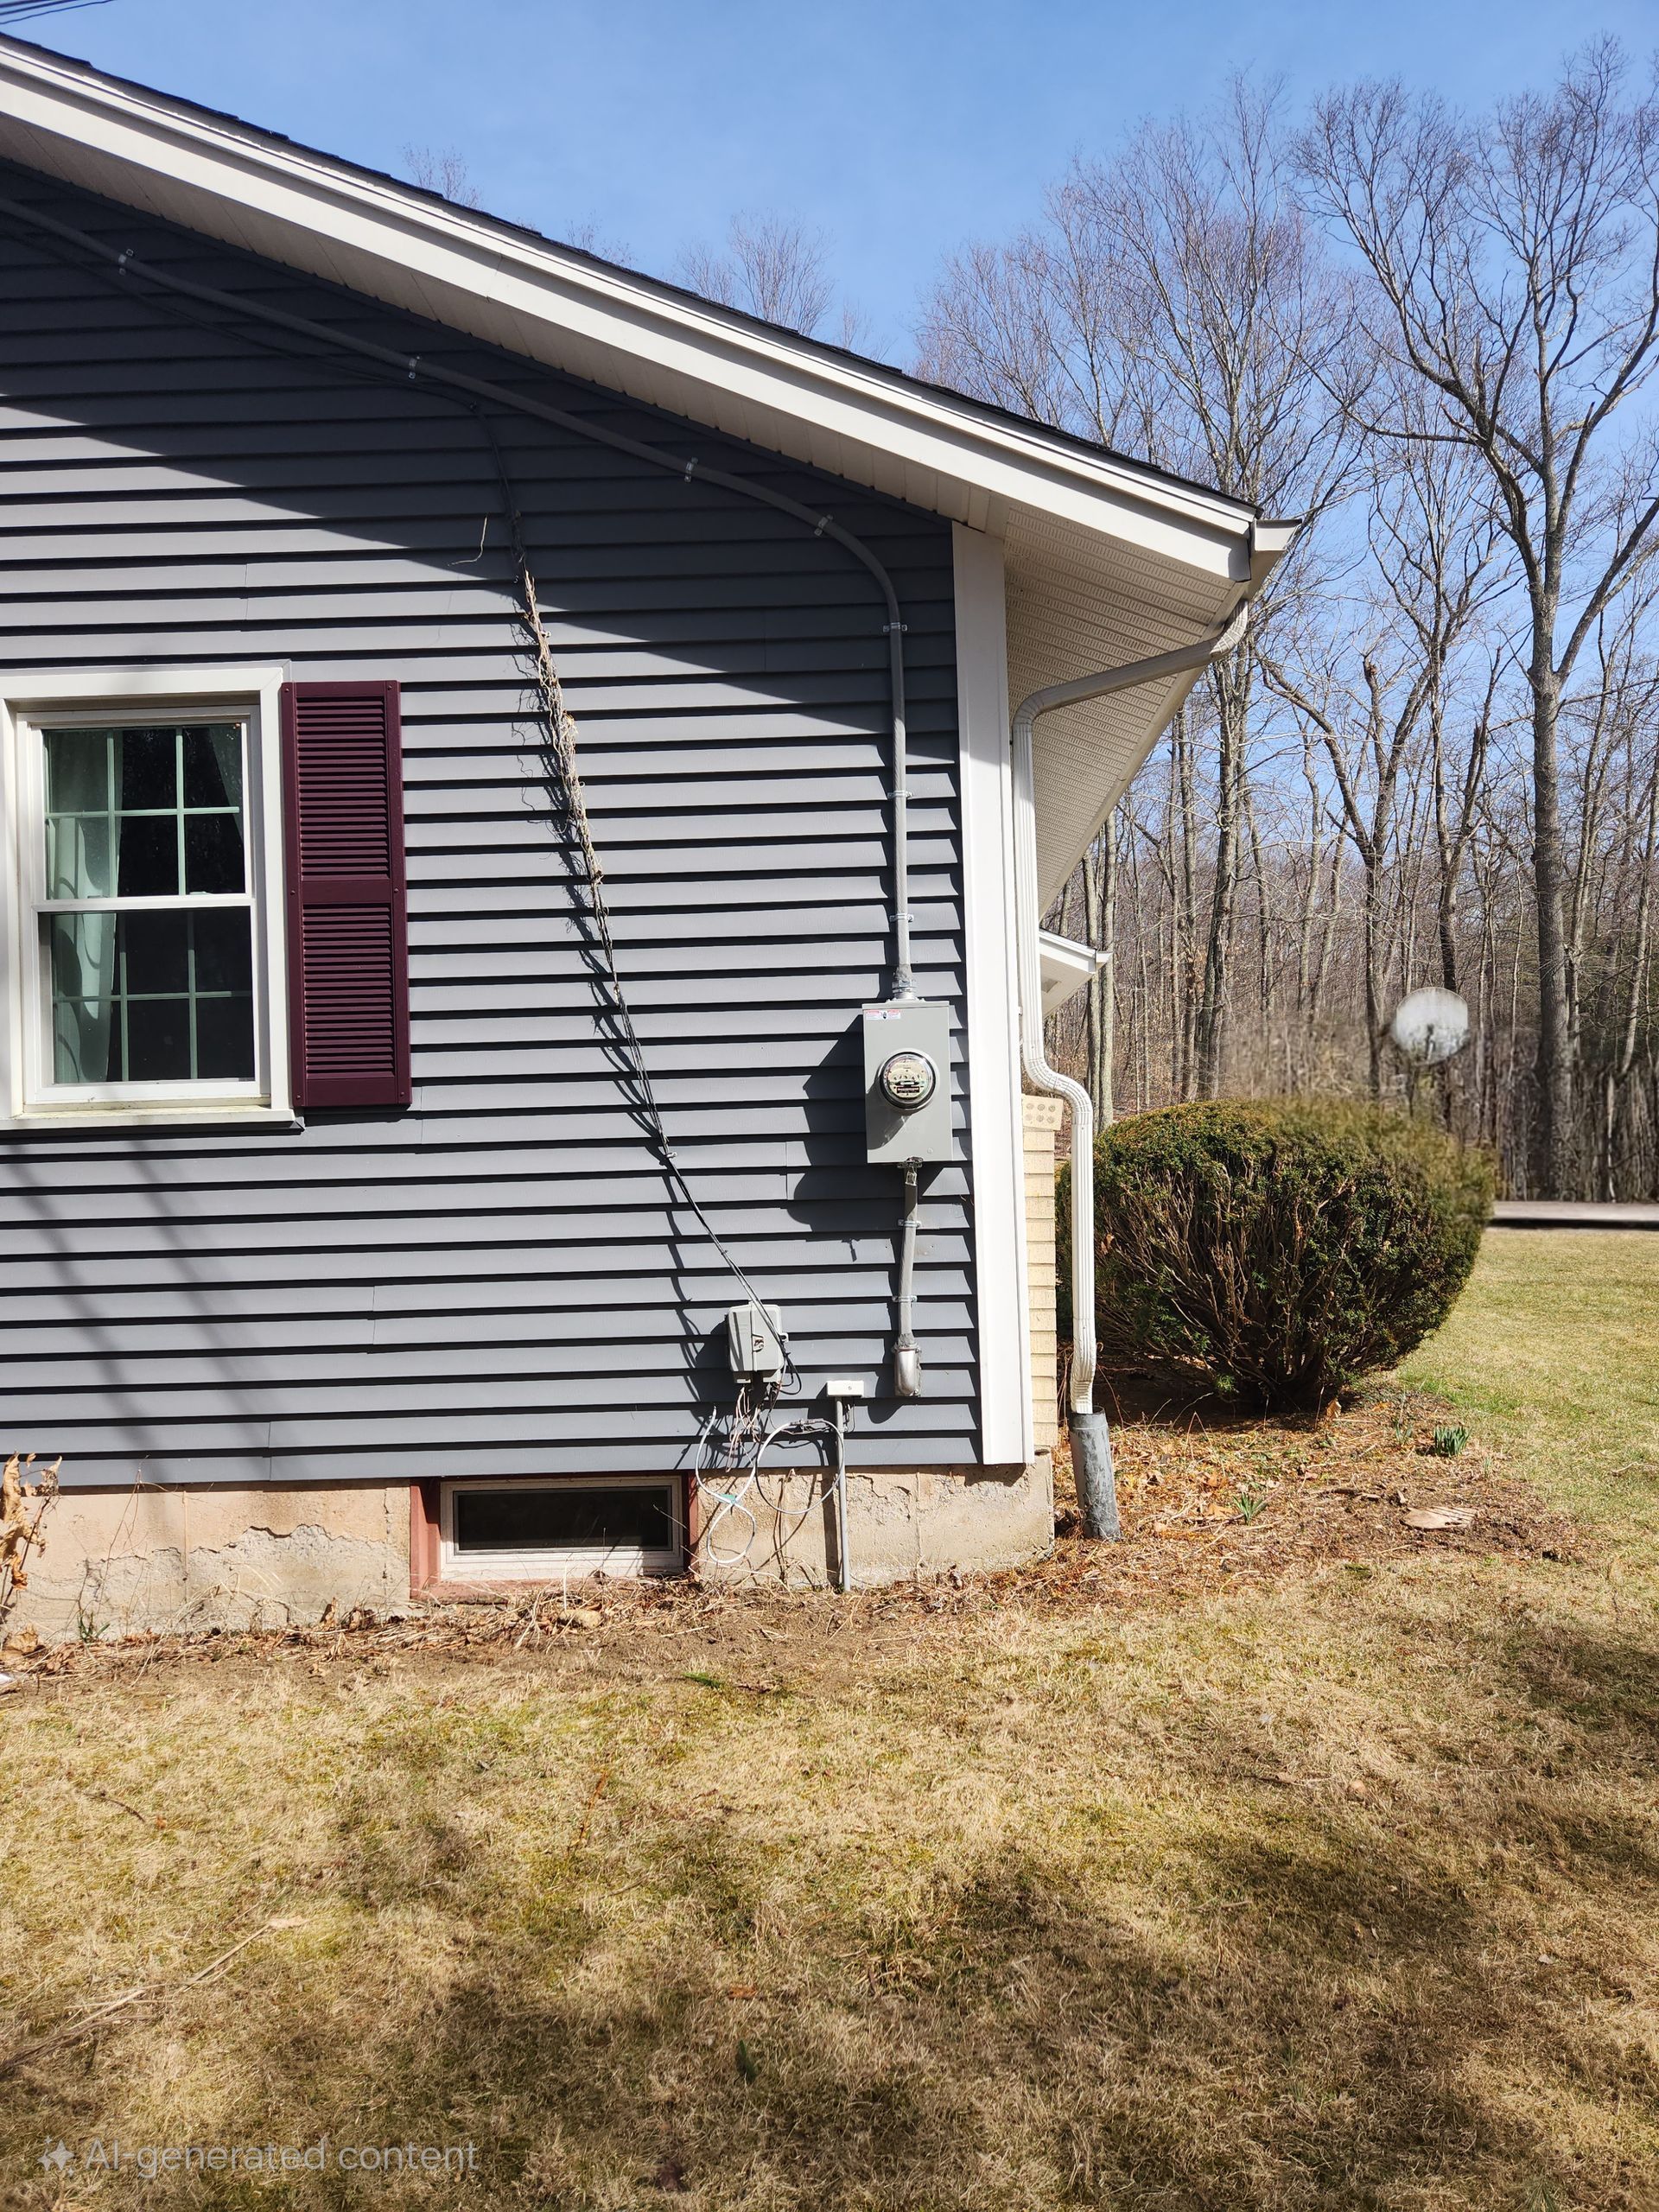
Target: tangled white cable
728,1473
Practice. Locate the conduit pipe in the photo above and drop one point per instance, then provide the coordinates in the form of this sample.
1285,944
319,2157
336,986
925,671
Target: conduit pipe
417,368
1092,1449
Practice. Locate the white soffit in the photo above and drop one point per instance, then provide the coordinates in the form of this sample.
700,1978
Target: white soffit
1106,561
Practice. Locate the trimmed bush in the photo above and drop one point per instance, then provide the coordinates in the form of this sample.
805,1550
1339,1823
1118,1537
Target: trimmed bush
1281,1248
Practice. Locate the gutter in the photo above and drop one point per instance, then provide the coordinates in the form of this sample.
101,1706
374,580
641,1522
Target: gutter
1091,1450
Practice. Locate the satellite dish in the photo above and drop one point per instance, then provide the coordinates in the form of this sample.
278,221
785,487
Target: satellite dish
1430,1025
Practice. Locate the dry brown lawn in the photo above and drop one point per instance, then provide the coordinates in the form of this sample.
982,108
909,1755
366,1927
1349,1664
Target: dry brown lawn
1288,1857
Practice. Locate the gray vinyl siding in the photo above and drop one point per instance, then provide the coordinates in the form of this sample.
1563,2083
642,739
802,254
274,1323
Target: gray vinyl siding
489,1282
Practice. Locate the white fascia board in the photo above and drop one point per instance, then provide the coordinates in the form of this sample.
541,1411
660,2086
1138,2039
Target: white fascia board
234,183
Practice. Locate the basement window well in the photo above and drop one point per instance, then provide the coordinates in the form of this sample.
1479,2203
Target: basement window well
539,1531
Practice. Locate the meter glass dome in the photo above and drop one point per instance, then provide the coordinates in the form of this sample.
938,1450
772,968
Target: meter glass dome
908,1080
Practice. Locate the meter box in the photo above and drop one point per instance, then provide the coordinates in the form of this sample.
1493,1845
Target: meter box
907,1081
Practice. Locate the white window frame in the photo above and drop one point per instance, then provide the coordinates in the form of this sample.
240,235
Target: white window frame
456,1566
32,703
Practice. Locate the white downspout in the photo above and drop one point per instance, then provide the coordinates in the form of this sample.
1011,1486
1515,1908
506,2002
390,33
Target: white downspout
1090,1443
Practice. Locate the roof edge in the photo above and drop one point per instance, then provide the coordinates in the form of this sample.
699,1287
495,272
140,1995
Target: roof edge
1009,455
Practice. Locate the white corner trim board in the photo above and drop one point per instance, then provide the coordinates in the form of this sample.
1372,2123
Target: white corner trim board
996,1131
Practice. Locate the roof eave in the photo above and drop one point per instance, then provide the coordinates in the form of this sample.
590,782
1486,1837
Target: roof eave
1144,561
229,180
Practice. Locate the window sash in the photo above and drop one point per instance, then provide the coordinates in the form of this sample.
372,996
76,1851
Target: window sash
91,811
115,711
186,978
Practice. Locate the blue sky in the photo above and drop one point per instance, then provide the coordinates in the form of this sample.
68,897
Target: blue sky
900,130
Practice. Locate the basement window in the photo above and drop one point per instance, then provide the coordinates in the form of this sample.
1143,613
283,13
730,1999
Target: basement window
537,1531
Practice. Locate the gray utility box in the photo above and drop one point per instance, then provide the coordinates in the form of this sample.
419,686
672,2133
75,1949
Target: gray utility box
755,1342
907,1081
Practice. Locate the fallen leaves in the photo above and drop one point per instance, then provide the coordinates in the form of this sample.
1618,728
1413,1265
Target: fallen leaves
1343,1495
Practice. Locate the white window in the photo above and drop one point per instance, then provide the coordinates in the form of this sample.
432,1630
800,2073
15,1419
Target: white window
144,952
561,1528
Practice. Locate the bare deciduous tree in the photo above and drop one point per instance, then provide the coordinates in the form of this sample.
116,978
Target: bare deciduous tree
440,171
1514,269
1176,303
1373,684
776,270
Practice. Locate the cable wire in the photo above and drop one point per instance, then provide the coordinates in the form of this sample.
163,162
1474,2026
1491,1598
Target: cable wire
562,750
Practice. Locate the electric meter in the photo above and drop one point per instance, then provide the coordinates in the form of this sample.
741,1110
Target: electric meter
908,1080
906,1096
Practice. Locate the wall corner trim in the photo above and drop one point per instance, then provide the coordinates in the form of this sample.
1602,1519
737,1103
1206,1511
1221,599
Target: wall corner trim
996,1129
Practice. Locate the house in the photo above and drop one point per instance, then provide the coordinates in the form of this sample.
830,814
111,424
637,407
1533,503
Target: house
356,1242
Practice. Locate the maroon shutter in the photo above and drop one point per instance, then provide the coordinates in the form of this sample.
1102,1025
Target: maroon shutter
348,934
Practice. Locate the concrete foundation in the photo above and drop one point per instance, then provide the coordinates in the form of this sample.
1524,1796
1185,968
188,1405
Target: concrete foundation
899,1523
119,1562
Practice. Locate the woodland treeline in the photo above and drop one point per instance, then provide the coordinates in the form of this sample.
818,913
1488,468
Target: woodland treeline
1434,759
1433,336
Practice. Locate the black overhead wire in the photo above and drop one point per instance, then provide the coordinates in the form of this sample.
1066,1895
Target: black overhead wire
19,11
561,725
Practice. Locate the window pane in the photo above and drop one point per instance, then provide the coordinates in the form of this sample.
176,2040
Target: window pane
225,1039
77,856
77,814
87,1041
125,784
213,852
156,950
148,769
224,944
78,771
626,1518
152,998
212,766
83,955
158,1040
83,1043
149,861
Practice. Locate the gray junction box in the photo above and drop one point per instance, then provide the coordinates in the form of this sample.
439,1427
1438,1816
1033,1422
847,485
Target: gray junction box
907,1081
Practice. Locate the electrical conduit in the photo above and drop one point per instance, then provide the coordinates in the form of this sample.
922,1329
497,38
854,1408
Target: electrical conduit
413,368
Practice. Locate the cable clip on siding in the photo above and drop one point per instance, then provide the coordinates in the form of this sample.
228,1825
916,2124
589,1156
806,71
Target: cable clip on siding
689,465
414,364
824,522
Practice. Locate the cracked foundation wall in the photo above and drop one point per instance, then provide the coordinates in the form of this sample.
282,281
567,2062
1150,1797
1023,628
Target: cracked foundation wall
119,1562
901,1522
124,1562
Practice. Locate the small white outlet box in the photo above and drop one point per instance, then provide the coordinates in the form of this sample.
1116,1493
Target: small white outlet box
843,1386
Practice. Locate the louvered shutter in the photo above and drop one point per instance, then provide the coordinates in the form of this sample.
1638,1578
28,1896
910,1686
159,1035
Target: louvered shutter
347,931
